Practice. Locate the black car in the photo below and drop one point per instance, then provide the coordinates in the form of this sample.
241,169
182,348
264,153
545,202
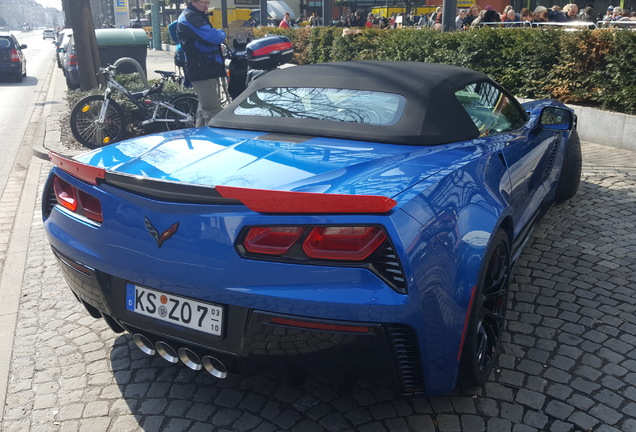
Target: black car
12,59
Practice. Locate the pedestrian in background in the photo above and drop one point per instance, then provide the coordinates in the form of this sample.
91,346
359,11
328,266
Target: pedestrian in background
472,15
286,21
204,63
459,19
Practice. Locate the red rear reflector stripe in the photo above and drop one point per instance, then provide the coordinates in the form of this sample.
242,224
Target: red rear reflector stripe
77,169
319,326
268,201
282,46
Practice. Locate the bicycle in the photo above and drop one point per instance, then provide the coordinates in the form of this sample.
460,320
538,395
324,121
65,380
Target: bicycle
97,120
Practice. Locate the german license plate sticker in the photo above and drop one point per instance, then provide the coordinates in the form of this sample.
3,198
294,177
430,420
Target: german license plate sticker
205,317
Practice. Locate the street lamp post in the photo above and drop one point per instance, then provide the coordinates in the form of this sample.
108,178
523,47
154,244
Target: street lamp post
156,29
327,6
449,10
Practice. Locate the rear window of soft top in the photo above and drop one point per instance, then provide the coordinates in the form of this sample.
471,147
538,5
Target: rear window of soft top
327,104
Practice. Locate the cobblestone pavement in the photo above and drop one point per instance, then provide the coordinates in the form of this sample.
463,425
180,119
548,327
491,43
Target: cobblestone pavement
568,363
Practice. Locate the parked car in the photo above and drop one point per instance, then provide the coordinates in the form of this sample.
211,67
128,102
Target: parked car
334,215
112,44
48,33
69,64
62,44
12,59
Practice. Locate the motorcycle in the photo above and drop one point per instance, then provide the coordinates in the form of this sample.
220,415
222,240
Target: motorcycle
249,58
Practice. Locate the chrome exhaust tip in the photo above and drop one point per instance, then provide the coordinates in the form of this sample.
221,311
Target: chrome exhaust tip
166,352
190,359
144,344
214,367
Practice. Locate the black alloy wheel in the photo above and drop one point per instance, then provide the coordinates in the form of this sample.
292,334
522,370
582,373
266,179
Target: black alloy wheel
488,315
571,169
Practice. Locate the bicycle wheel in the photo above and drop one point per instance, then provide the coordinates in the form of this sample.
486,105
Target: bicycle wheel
187,104
89,130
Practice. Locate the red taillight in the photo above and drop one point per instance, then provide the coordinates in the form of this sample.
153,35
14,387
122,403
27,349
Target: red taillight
354,243
15,57
343,242
271,240
77,201
65,194
72,61
91,207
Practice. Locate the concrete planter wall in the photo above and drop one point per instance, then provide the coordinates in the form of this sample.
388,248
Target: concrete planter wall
606,128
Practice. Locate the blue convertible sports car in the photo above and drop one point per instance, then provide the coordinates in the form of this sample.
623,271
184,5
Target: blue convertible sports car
355,212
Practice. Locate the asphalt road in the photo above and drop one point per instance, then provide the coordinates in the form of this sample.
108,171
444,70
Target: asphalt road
568,362
20,100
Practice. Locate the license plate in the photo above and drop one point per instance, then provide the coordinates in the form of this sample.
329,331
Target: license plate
175,309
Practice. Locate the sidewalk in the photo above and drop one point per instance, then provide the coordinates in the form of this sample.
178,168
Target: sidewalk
45,136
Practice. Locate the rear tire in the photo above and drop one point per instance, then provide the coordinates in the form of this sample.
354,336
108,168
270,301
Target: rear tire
187,103
71,86
571,169
488,314
86,128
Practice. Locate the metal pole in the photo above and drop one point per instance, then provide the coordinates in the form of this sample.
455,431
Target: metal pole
449,12
156,29
224,14
263,6
326,12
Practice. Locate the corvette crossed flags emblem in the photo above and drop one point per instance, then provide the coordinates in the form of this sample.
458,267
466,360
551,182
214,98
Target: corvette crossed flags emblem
160,238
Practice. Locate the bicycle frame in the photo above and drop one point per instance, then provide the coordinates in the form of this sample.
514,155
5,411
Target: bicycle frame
138,101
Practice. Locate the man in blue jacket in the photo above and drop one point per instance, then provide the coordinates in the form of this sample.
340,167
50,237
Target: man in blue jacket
204,62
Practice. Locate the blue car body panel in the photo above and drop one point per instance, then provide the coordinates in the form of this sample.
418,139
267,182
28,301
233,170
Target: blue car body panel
451,199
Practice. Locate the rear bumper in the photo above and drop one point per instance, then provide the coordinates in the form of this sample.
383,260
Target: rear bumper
253,336
10,69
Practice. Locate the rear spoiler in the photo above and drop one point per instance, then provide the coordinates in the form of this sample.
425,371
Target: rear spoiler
257,200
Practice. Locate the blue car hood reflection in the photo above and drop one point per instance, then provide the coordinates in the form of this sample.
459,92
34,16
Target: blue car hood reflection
211,157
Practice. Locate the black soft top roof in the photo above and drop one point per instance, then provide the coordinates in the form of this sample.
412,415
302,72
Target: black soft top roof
432,114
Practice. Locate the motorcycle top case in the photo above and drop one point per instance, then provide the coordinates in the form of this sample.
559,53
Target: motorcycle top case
269,52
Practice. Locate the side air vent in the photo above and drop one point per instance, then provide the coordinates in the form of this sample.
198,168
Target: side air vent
406,353
387,265
48,200
550,160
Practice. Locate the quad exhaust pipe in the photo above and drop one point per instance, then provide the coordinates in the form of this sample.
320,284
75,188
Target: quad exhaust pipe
211,365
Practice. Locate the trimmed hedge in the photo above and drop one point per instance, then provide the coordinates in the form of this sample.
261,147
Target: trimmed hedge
589,67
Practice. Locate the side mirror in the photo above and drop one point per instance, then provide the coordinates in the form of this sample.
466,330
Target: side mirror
553,118
23,46
61,50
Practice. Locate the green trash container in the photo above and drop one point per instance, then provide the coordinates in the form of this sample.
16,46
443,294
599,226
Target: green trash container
114,44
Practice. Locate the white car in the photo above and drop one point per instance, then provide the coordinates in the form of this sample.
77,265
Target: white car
48,33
